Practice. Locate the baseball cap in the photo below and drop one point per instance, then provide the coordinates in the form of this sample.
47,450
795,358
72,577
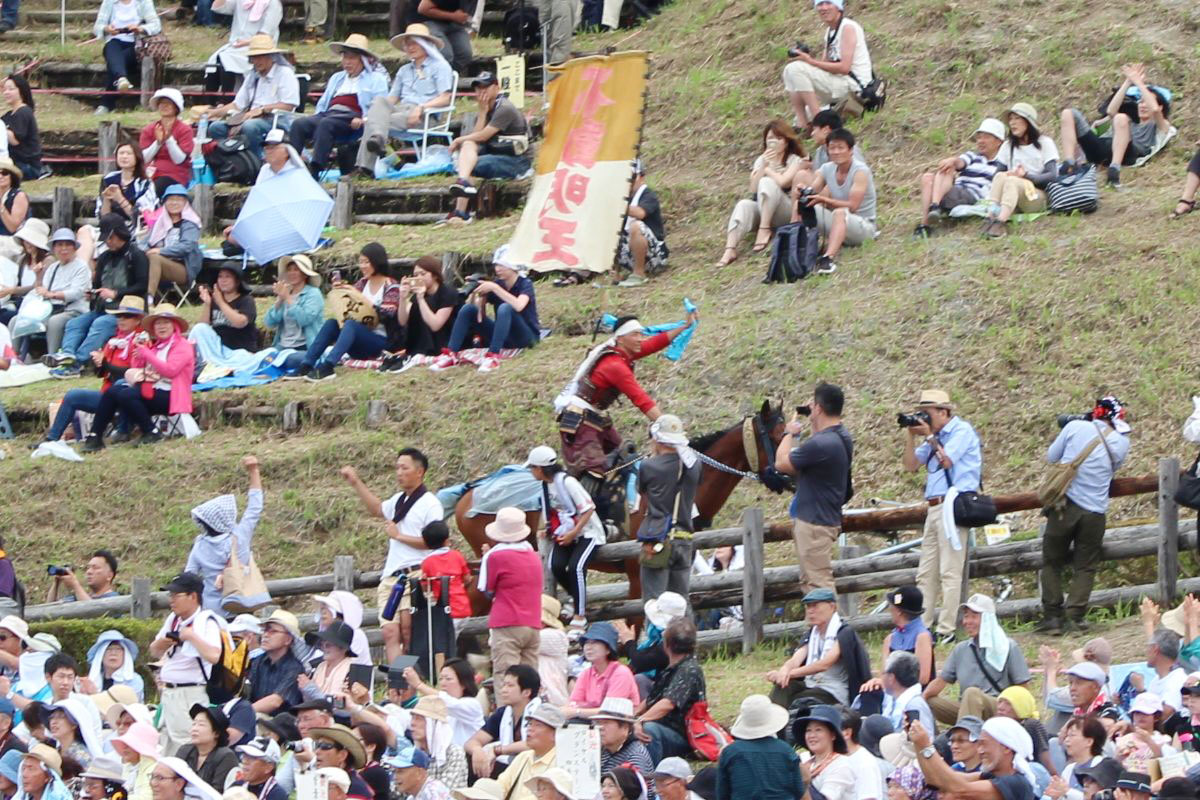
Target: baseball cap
408,757
274,136
484,78
541,456
1089,671
263,747
980,604
673,767
185,582
971,724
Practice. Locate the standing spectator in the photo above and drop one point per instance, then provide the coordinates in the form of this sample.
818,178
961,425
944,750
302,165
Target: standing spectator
251,44
173,244
112,660
64,283
273,674
126,191
118,23
676,689
14,202
492,748
190,636
618,745
449,26
845,69
510,572
953,461
24,141
228,310
1031,162
758,763
208,751
844,194
1075,527
559,19
427,303
405,514
444,561
166,143
667,479
299,309
497,147
961,180
544,724
822,466
605,678
643,243
220,532
268,95
983,666
553,653
771,178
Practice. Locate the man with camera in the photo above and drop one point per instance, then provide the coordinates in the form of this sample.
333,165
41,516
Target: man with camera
100,574
821,466
1094,445
950,451
844,69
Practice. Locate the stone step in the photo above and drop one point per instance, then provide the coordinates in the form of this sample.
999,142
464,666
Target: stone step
48,17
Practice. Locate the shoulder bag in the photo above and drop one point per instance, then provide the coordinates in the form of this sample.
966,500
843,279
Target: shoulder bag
1077,192
243,589
156,47
983,667
971,509
1052,493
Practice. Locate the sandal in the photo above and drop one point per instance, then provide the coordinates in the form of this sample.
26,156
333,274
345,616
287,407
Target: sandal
761,244
728,257
1190,205
570,279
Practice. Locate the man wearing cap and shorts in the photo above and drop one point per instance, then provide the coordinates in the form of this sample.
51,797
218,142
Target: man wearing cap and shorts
963,180
845,69
667,480
188,644
260,756
266,99
405,514
952,456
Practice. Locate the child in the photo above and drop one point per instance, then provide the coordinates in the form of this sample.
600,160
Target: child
443,561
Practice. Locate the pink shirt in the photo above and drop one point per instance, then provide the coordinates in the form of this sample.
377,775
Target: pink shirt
616,681
514,579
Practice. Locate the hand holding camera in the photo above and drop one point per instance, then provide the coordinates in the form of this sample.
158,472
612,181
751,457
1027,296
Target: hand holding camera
57,572
798,50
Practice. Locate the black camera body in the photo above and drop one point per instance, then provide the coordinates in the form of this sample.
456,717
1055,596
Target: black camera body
798,48
56,572
914,419
804,411
1063,419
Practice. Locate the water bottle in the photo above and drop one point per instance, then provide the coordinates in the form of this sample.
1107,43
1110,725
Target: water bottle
201,172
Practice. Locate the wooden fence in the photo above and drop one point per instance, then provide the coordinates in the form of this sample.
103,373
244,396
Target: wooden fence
756,586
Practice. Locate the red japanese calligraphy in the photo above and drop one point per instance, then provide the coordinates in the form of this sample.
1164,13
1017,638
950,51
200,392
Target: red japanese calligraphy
559,240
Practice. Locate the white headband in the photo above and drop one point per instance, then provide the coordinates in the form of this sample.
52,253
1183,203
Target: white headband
630,326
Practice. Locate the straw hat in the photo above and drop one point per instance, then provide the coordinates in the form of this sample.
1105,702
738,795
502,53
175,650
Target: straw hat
759,718
934,398
356,42
130,304
115,695
344,738
551,610
432,707
34,231
509,526
6,165
285,619
482,789
47,755
417,31
165,311
557,777
261,44
304,264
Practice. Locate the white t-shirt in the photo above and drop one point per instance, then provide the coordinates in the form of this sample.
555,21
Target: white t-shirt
1168,687
9,278
426,510
181,663
376,299
593,528
868,780
837,781
125,15
1032,157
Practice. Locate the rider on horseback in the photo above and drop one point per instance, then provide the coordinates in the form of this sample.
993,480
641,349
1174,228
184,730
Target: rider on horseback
586,429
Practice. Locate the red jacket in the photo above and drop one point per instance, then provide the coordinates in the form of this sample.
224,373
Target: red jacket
451,563
615,370
117,356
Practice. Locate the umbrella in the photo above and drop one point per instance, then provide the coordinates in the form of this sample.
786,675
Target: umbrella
282,215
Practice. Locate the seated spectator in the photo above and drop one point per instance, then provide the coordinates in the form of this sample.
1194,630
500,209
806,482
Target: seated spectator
336,746
112,658
126,191
1004,749
339,606
457,689
771,178
103,780
450,21
166,143
426,305
173,244
498,146
544,724
432,732
1145,740
24,141
830,770
907,783
554,784
963,738
661,714
845,200
553,651
259,759
220,532
643,242
243,722
1100,777
758,763
605,677
334,642
983,666
902,688
341,112
423,82
623,783
118,24
1128,140
14,203
173,779
515,325
299,309
824,123
208,752
1083,740
299,768
414,777
843,71
825,665
351,337
122,270
1031,160
961,180
267,97
1186,203
618,746
868,772
41,775
905,605
75,725
274,673
228,311
137,747
1016,702
65,284
233,60
647,656
17,279
167,361
502,736
278,158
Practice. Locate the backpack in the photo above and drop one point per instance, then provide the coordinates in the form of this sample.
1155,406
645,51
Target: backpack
794,253
1077,192
522,30
704,734
227,676
232,161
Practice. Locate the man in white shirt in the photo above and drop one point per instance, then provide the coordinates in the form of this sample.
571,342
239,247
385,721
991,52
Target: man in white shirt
188,644
268,95
404,514
1162,651
868,780
902,691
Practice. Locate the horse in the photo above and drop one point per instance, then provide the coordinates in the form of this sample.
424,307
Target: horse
745,449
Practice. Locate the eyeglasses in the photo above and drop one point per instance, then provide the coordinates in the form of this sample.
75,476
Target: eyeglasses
160,778
326,746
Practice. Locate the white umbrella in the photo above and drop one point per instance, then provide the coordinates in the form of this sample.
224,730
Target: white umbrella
282,215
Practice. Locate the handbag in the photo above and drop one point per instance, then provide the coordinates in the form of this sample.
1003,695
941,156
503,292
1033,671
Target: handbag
1077,192
1188,493
1052,493
243,589
31,315
972,509
155,46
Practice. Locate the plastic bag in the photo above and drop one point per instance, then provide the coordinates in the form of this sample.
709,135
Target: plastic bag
32,315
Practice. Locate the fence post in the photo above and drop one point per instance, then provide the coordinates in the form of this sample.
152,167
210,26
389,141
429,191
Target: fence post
377,411
291,416
108,145
753,588
141,599
343,573
1168,531
848,602
343,204
63,209
204,201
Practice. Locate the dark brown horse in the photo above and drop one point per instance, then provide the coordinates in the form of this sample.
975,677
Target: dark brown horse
754,437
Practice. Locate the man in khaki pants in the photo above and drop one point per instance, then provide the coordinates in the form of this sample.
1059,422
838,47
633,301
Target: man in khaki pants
823,484
951,455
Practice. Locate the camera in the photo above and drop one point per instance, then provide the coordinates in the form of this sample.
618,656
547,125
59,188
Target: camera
471,283
804,411
798,48
56,571
1063,419
913,420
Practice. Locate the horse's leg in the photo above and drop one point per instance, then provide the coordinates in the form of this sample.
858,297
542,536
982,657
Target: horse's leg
633,571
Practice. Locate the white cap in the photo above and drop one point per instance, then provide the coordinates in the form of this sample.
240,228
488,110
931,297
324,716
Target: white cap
993,126
1088,671
262,747
246,623
501,258
1146,703
274,136
336,776
980,604
541,456
673,767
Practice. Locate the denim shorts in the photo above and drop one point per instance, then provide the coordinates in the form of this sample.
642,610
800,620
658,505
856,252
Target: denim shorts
497,166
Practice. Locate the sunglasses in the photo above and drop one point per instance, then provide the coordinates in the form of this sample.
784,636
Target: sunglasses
326,746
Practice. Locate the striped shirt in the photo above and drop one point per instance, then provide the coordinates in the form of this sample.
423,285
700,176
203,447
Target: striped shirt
976,176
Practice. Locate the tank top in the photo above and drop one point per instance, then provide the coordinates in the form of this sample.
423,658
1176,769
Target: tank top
860,59
841,191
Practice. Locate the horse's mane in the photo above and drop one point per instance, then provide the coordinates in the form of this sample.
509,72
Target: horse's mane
702,443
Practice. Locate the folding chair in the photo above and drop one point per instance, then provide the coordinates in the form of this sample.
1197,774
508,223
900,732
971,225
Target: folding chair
436,123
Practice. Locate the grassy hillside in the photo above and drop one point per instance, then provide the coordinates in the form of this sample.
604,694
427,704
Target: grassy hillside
1017,330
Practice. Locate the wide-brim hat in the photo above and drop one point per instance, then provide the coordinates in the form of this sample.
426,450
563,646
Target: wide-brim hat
340,634
1026,112
356,42
619,709
115,695
509,526
873,729
759,718
551,609
139,711
47,755
417,31
664,608
908,599
482,789
7,165
559,778
105,768
135,305
238,272
165,311
303,263
826,715
1104,772
174,95
897,750
261,44
344,738
934,398
34,231
1173,620
602,632
432,707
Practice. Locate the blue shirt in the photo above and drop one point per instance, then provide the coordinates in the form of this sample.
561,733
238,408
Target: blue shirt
1089,489
371,84
529,315
906,638
961,444
419,86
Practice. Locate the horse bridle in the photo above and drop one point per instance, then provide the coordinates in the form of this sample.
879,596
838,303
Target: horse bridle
756,438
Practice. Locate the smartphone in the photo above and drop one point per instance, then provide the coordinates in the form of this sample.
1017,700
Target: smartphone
912,716
364,674
335,276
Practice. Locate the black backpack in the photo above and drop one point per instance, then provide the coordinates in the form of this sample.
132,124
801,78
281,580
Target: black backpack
522,31
233,161
797,245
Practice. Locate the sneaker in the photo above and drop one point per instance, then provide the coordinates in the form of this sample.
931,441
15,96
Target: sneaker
154,437
1049,625
92,444
825,266
490,363
45,173
935,211
392,363
456,218
946,638
922,231
445,361
633,281
59,359
124,84
377,146
67,372
321,372
1114,179
119,437
464,188
101,110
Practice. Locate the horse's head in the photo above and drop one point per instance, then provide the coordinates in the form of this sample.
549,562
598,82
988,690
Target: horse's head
768,426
